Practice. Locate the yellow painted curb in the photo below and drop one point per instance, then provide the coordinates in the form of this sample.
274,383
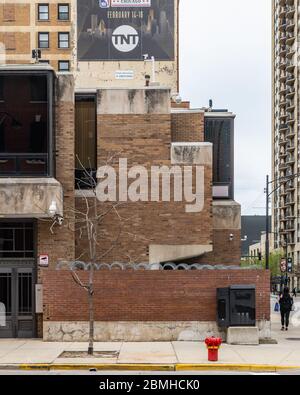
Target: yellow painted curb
237,367
155,367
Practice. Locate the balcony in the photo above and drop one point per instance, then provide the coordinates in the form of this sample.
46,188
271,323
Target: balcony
27,184
290,106
290,120
283,103
283,116
283,166
290,160
290,147
282,155
290,27
282,77
282,63
282,142
290,53
290,80
290,38
290,93
282,25
283,90
282,12
282,38
283,127
290,12
282,51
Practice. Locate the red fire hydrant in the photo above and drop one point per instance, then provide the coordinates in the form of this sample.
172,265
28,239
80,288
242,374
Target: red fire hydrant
213,344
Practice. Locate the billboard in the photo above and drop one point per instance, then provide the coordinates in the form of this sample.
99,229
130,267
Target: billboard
125,29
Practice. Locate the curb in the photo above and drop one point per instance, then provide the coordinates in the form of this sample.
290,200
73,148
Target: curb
235,367
151,367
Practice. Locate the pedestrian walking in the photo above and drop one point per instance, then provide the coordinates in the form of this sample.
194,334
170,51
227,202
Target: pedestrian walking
286,304
295,292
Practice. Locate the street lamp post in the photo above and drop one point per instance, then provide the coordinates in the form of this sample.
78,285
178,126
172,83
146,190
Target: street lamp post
267,225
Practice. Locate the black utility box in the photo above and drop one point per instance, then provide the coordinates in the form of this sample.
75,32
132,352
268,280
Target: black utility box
236,306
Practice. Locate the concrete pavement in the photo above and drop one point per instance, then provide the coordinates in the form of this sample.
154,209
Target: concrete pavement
163,356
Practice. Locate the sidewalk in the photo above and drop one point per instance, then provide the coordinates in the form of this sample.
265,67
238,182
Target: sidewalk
30,354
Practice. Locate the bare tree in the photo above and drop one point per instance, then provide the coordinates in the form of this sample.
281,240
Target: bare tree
86,223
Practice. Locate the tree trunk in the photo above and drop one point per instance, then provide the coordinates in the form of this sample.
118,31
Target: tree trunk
91,311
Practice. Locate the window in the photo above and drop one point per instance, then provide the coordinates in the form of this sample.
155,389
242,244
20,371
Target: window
16,240
63,12
9,13
43,39
63,65
43,12
10,41
63,40
85,140
24,125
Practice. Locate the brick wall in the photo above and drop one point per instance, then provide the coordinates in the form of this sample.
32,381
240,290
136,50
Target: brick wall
61,244
226,252
145,140
148,295
16,42
14,14
187,127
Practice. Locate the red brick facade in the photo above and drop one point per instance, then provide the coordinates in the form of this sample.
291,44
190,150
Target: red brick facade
187,127
149,295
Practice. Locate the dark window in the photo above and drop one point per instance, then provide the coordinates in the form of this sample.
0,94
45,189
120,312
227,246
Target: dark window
63,65
85,141
43,12
16,240
38,89
43,40
63,12
1,89
25,293
5,292
24,134
219,132
63,40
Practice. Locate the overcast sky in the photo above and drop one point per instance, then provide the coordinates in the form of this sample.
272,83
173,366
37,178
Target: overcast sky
226,56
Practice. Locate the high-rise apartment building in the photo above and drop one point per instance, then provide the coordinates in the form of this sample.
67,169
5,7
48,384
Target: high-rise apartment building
285,138
33,24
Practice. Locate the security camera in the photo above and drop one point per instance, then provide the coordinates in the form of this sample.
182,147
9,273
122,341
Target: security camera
53,208
177,98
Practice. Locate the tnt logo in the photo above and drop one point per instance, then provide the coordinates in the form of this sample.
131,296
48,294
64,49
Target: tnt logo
125,38
104,3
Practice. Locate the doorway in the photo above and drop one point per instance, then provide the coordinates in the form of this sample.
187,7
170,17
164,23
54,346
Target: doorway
17,280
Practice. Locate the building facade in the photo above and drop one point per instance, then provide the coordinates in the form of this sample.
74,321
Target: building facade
32,24
285,137
59,134
78,36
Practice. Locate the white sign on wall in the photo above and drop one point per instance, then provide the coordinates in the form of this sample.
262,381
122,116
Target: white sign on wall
44,260
124,75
